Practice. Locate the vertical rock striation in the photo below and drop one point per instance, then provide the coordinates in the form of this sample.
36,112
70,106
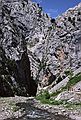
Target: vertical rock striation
31,42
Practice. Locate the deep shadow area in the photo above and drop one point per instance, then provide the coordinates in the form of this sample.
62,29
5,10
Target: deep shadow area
15,76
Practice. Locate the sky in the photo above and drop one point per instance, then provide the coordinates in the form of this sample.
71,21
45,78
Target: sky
56,7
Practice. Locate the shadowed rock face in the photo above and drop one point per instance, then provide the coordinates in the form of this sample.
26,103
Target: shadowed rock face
15,76
23,75
5,89
15,73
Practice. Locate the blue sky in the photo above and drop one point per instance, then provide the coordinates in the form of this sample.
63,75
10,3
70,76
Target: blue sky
56,7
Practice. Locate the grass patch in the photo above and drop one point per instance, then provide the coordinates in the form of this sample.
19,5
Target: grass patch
73,105
55,93
69,72
43,95
73,81
45,98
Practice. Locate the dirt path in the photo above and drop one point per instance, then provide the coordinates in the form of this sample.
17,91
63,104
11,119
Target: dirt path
21,108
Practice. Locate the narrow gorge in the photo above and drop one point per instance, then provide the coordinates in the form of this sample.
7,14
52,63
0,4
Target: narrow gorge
39,53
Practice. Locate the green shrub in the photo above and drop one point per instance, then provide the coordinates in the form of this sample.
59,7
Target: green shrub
55,102
47,95
69,73
44,98
72,105
75,79
43,95
52,20
72,20
55,93
69,19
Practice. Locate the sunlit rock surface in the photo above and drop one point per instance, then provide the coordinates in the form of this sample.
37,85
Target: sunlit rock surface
45,42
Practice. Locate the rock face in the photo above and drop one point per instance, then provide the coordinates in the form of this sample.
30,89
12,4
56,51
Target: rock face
77,87
69,96
15,76
47,79
15,73
28,34
61,49
23,75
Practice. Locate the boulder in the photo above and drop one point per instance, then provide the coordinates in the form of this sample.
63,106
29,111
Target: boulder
48,78
69,96
66,95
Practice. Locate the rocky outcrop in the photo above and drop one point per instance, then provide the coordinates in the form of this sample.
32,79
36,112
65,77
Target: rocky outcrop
50,43
69,96
77,87
15,73
48,78
22,23
64,82
61,48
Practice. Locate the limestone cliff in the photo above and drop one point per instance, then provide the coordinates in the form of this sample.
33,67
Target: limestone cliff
31,42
